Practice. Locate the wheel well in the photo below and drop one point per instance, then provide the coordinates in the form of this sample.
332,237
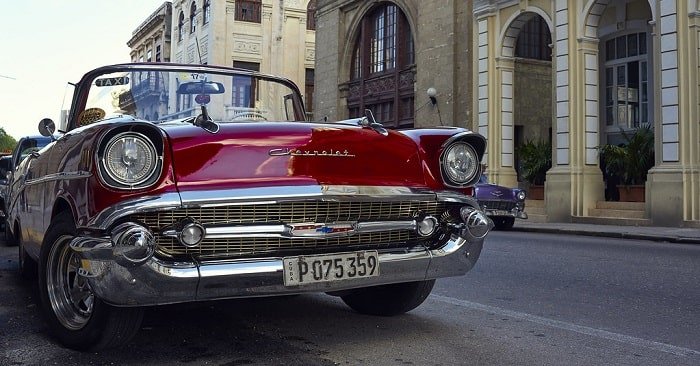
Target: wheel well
60,206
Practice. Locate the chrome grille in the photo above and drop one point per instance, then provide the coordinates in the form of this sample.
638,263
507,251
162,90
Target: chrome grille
289,213
497,205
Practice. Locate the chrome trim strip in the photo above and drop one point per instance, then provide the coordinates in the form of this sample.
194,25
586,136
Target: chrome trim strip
59,176
228,197
288,231
103,220
247,196
378,226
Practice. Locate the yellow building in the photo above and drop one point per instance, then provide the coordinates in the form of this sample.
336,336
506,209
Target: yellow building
273,37
607,68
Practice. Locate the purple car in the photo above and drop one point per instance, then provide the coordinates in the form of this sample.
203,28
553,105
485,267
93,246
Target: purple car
500,203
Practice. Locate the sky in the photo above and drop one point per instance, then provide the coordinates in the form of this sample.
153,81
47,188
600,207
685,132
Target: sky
44,44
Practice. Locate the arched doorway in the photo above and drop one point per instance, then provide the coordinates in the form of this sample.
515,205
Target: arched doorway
624,84
526,96
382,72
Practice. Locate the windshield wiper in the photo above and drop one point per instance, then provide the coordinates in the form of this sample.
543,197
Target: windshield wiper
204,121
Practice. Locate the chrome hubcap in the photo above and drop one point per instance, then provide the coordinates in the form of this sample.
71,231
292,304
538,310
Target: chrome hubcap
70,295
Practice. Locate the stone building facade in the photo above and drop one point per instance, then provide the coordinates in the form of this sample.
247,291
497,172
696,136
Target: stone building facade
614,67
577,74
150,42
385,56
270,36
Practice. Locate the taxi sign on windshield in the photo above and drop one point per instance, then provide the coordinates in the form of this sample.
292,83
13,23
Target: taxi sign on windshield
120,80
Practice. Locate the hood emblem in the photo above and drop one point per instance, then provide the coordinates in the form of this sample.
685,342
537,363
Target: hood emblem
330,153
497,193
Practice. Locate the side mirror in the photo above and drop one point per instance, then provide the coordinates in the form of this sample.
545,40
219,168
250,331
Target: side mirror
47,127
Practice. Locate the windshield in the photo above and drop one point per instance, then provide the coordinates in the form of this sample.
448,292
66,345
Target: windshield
165,95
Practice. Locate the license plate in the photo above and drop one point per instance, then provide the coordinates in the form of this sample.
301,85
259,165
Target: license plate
308,269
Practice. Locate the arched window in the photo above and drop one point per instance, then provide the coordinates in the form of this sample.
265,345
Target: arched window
311,15
193,17
534,40
206,10
382,71
181,26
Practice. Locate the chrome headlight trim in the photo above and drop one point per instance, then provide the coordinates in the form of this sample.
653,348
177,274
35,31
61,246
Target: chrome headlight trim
141,144
451,164
521,195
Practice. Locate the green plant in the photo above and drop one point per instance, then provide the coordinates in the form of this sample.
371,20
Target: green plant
7,142
535,160
631,160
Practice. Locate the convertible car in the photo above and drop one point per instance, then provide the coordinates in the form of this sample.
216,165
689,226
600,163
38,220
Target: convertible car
177,183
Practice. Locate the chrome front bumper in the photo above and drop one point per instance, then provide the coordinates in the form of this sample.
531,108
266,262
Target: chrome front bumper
122,271
513,213
157,282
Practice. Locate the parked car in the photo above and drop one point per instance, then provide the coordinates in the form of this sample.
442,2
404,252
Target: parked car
179,183
4,170
25,146
502,204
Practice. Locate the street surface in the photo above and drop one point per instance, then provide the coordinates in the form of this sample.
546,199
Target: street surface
533,299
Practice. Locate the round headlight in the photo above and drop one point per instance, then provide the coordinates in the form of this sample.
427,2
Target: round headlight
521,195
460,163
130,159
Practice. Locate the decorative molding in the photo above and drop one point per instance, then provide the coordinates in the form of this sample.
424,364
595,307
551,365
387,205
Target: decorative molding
249,47
310,54
203,46
191,56
485,11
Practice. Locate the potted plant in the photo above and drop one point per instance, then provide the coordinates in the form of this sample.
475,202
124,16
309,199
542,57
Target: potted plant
535,161
630,161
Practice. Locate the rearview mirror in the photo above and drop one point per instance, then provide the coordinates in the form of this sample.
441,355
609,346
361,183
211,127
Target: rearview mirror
201,87
47,127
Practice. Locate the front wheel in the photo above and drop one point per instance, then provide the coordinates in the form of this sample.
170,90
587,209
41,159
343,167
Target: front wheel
74,314
504,223
389,300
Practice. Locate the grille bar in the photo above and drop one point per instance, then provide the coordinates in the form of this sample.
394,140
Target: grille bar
290,213
497,205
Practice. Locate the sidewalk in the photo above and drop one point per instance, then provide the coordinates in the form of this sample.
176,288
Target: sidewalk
654,233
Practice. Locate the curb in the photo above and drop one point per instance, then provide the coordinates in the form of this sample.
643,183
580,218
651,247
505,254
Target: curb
615,235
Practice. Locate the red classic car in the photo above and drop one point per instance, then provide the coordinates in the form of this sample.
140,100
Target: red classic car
177,183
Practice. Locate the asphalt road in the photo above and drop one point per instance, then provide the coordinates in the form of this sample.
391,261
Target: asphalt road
533,298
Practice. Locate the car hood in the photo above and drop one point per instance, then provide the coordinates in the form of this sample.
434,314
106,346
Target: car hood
246,155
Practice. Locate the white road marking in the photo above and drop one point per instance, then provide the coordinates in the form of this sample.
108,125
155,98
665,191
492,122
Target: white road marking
639,342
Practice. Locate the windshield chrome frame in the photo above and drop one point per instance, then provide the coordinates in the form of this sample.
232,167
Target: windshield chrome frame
82,88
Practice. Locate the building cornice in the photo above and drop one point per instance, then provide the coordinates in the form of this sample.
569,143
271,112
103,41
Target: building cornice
152,22
484,8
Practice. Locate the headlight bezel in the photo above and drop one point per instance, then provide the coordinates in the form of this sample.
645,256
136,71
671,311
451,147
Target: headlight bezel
519,194
446,176
110,179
